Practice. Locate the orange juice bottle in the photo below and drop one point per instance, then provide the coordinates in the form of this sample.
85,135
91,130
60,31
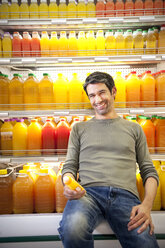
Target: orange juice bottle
45,44
34,10
120,99
147,89
72,44
138,42
100,8
162,182
72,183
63,44
43,9
19,138
46,94
139,6
158,7
133,91
6,204
110,8
129,8
44,193
51,171
26,45
120,42
160,134
150,42
7,45
17,45
119,6
91,8
31,92
61,92
148,7
5,13
34,138
128,37
53,9
75,92
82,44
72,9
62,9
16,92
35,45
110,42
91,43
23,194
53,44
160,88
4,92
81,9
6,137
161,40
24,10
100,42
14,10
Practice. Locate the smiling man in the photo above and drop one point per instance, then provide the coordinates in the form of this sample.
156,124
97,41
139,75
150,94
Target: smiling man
104,151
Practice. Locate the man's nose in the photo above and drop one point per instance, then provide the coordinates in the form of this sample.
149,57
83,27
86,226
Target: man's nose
98,99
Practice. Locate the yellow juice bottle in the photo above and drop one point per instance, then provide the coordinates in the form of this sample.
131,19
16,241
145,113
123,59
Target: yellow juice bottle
0,47
43,9
72,9
151,42
14,10
91,9
156,33
7,45
120,42
72,44
53,44
133,91
5,14
75,92
19,138
4,93
6,137
34,10
144,33
110,43
53,9
16,92
46,94
63,44
128,42
72,183
44,43
138,42
31,92
161,40
120,98
91,44
61,92
162,181
82,44
100,42
24,10
62,9
85,99
81,9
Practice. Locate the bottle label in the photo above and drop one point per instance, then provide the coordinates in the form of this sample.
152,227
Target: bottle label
6,136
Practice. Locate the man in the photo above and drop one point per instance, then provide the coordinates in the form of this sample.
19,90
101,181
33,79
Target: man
104,150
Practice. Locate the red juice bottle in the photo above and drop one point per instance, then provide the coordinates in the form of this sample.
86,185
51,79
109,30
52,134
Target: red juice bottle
48,138
62,135
26,44
17,44
35,45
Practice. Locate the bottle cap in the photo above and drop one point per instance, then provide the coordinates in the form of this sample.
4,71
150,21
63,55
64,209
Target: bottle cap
45,74
3,172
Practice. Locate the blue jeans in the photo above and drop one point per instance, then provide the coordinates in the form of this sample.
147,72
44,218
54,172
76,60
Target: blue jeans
82,216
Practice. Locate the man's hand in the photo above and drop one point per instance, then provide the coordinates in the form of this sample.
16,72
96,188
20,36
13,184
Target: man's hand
140,216
73,194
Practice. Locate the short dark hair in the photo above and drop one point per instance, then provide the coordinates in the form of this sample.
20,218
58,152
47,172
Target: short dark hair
99,77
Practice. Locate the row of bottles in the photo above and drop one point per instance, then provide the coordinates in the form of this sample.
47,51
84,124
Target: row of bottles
140,41
81,9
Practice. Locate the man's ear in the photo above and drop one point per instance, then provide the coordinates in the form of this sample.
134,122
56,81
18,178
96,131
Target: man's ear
114,91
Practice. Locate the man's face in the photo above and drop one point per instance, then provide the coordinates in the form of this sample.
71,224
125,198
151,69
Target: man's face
101,99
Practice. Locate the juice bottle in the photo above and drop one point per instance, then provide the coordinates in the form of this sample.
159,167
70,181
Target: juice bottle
157,202
0,47
24,9
129,8
120,98
160,135
44,193
31,92
34,10
100,42
6,137
72,9
61,200
162,182
62,9
119,6
85,99
45,44
7,45
46,94
19,138
147,90
62,135
91,43
151,42
82,44
91,8
100,8
35,45
17,45
40,121
72,183
128,37
48,138
139,7
4,93
34,144
23,194
149,130
81,9
51,171
144,34
110,8
138,42
160,88
110,43
148,7
16,92
14,10
156,33
120,42
61,92
53,9
26,121
26,45
63,44
161,40
158,7
53,44
43,9
6,204
72,44
5,14
75,92
133,91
